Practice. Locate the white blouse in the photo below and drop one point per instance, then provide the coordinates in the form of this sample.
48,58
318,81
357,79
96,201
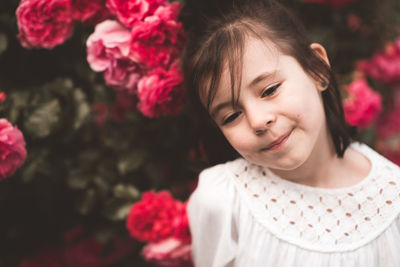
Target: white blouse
243,215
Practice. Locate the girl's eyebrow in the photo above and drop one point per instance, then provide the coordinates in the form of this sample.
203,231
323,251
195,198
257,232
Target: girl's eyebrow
262,77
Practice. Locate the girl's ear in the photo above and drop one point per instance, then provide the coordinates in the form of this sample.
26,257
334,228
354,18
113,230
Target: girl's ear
321,52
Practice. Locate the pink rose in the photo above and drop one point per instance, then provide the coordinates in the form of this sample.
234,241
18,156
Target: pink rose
128,12
169,252
44,23
161,93
158,40
12,149
363,105
332,3
108,50
90,12
384,66
123,74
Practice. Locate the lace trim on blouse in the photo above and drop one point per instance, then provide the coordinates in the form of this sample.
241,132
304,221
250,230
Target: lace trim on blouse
324,220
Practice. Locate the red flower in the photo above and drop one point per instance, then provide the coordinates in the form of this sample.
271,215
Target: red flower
12,149
161,93
154,217
169,252
332,3
384,66
158,40
363,105
129,12
123,74
90,12
44,23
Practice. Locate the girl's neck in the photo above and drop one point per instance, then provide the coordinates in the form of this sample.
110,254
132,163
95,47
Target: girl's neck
325,169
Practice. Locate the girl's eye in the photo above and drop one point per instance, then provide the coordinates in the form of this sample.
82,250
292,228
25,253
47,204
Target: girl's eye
231,118
271,90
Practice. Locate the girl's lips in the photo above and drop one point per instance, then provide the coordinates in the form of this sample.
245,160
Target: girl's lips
278,143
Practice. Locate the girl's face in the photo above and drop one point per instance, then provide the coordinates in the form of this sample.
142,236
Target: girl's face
279,119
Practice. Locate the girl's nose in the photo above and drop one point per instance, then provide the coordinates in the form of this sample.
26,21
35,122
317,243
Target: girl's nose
260,121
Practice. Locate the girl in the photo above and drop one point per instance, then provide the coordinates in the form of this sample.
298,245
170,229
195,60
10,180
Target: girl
303,193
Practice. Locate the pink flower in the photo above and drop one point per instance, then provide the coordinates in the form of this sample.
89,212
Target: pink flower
123,74
90,12
12,149
161,93
363,105
169,252
332,3
128,12
158,40
44,23
108,50
384,66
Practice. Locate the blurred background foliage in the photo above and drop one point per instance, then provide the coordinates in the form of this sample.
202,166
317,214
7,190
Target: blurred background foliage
89,158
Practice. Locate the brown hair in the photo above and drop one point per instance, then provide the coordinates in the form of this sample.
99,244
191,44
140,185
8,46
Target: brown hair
216,34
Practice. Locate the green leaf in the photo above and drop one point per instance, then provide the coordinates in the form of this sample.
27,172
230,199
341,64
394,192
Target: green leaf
117,211
87,202
131,161
82,109
77,180
3,43
126,192
43,120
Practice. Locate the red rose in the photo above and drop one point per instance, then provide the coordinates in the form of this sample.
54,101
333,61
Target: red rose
44,23
332,3
169,252
363,105
161,93
151,219
181,224
384,66
90,11
158,40
129,12
12,149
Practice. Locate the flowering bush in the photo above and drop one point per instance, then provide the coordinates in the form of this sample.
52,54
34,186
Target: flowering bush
44,23
12,149
363,105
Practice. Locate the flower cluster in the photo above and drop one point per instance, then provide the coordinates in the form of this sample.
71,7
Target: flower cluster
134,41
162,221
12,149
138,54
